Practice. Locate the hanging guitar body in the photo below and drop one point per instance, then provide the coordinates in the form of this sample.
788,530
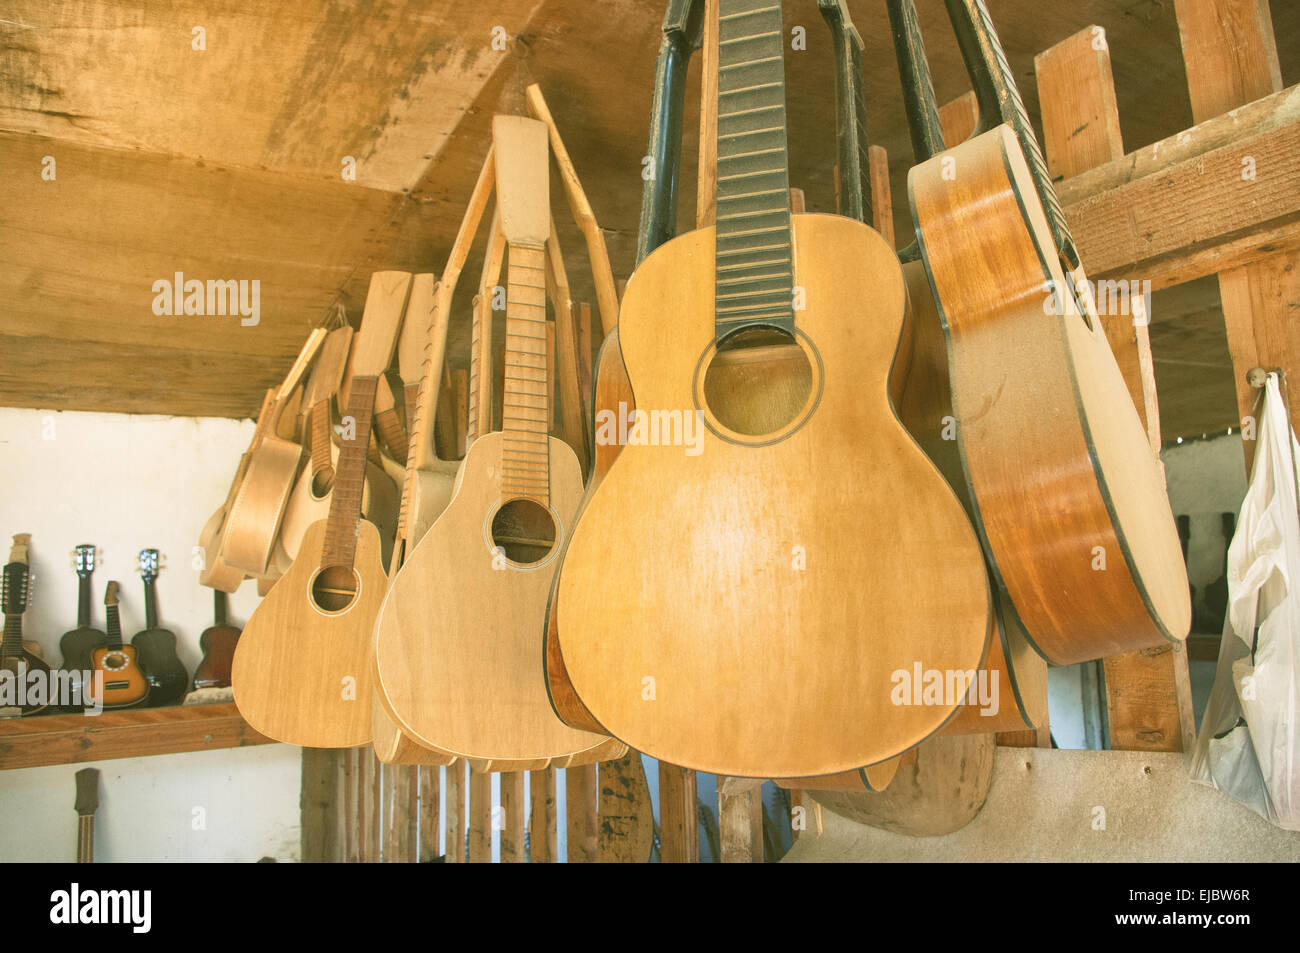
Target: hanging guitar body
310,502
749,578
1070,497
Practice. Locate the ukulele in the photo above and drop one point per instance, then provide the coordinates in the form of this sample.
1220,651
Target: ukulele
1069,498
87,804
746,578
17,658
218,644
310,500
168,680
302,672
78,644
124,683
471,686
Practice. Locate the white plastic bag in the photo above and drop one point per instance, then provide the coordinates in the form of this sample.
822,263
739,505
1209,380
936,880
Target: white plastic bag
1249,746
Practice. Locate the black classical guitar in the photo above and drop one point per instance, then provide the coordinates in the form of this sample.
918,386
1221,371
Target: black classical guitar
18,664
156,647
78,644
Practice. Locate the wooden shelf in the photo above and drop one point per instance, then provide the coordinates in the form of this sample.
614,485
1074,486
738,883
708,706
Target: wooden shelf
71,739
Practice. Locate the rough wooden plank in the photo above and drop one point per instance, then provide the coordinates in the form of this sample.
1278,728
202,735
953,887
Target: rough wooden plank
580,808
73,739
430,815
318,804
1231,58
958,117
480,817
740,825
511,817
541,817
626,813
351,827
679,827
455,810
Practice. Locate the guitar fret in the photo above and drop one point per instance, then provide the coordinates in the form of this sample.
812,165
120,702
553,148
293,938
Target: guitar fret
752,36
741,266
750,89
748,13
740,281
750,175
748,112
746,251
742,65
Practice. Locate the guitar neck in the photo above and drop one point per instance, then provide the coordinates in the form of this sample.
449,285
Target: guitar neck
918,88
999,101
218,607
320,436
113,625
85,839
350,478
13,637
150,603
83,599
755,261
525,412
854,192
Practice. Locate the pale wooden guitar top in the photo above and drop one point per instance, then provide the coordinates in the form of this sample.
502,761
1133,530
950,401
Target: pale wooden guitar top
682,569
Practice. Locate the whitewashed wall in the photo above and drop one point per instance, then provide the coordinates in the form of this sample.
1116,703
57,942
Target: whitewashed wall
126,483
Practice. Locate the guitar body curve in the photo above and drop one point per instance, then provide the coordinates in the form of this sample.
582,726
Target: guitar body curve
217,573
77,645
125,684
253,522
156,653
682,581
1070,497
300,675
218,645
458,648
379,505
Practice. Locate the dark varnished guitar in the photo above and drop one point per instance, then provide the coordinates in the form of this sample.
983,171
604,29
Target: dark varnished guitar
77,645
15,658
218,644
124,683
156,646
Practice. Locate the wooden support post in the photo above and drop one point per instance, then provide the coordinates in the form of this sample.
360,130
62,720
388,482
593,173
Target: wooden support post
542,847
1231,60
318,804
740,820
455,811
1148,693
480,817
958,118
460,392
626,833
679,825
512,817
430,813
581,812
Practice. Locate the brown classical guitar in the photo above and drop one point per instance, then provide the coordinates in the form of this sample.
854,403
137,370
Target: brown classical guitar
17,660
472,685
218,643
302,672
125,684
744,578
1069,497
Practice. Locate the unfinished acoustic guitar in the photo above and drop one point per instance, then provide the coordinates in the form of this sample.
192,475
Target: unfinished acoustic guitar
703,590
1068,494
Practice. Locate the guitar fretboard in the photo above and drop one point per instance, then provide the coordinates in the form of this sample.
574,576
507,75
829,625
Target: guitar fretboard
525,410
86,839
1012,108
854,192
113,625
320,436
13,637
754,270
350,479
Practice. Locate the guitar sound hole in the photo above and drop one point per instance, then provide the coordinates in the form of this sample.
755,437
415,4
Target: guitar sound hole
334,588
525,531
322,482
758,382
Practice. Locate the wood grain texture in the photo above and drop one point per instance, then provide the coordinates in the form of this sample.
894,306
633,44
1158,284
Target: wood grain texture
679,825
1230,52
485,698
1051,443
304,677
512,823
129,733
542,831
456,817
626,811
703,600
937,793
581,814
430,813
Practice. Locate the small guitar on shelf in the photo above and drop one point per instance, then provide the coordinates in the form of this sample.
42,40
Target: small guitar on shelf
124,683
218,645
168,679
78,644
87,804
18,660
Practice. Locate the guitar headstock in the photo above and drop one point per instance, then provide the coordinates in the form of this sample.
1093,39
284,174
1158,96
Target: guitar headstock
85,559
16,582
148,564
87,791
110,593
